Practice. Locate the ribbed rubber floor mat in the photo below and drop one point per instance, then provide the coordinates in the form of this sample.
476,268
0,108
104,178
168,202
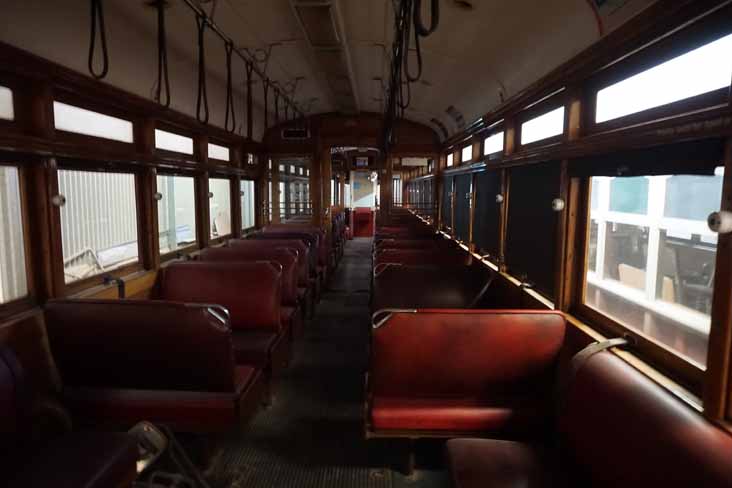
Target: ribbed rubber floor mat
312,435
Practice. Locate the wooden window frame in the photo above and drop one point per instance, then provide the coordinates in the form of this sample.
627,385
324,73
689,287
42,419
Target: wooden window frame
191,248
543,107
658,355
232,203
76,287
30,300
105,144
713,26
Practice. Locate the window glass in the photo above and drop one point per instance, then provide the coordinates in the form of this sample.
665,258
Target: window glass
173,142
7,110
651,258
81,121
450,159
293,170
220,207
282,168
218,152
629,195
98,222
13,275
702,70
397,191
493,144
347,194
543,127
247,204
269,200
176,212
467,154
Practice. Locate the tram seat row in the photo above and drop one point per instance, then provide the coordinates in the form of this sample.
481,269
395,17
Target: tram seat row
199,355
445,372
616,428
599,422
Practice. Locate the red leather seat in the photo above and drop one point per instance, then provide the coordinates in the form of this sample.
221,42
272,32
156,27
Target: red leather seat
618,428
417,257
291,311
406,286
250,291
130,371
305,262
79,460
456,371
475,463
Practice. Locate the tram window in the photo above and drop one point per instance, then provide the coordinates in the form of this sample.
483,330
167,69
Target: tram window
176,212
532,224
218,152
7,110
169,141
219,207
463,190
447,194
467,154
487,212
86,122
705,69
450,159
250,159
543,127
247,204
13,274
493,144
98,222
651,257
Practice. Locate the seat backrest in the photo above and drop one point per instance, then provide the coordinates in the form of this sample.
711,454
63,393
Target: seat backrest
250,291
488,354
406,286
286,257
140,344
296,245
622,429
416,257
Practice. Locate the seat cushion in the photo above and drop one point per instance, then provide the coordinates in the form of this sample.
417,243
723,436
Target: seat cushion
452,415
253,347
481,463
81,460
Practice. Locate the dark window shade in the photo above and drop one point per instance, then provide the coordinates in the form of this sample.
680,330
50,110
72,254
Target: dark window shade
487,212
447,202
462,206
532,224
696,157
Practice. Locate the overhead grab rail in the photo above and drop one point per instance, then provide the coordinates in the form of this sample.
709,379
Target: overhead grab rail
385,314
97,18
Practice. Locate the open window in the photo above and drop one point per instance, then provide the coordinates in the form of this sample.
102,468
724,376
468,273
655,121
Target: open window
247,204
531,238
219,207
176,212
13,272
98,222
650,255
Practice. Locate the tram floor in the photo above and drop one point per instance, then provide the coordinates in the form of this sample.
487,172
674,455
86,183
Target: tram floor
313,433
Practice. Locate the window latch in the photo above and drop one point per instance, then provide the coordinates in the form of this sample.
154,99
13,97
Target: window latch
109,279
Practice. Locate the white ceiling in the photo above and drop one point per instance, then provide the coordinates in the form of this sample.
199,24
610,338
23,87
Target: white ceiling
500,46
